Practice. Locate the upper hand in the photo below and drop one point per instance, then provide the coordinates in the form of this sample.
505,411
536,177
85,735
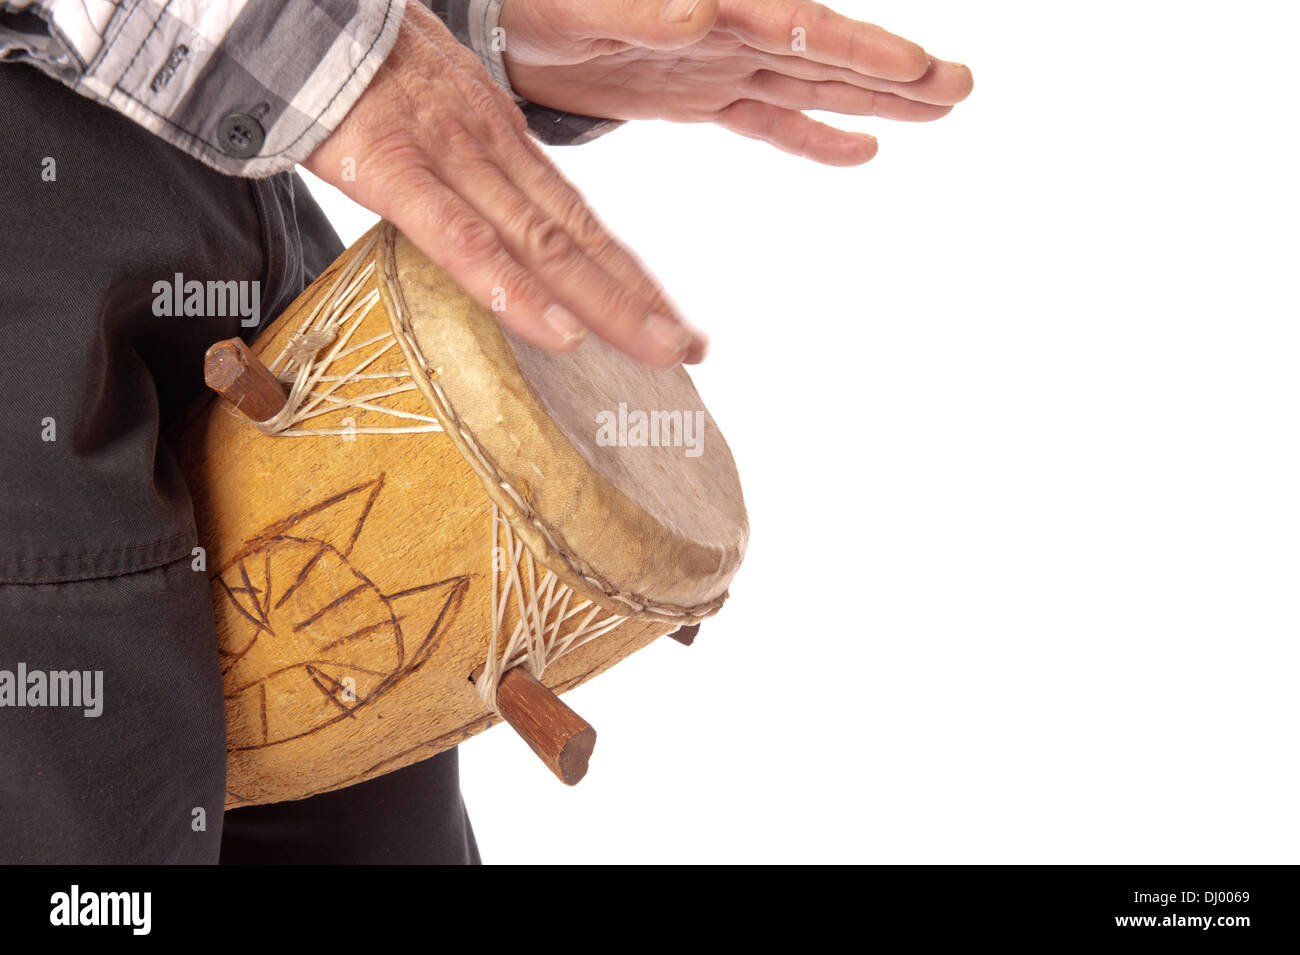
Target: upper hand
751,66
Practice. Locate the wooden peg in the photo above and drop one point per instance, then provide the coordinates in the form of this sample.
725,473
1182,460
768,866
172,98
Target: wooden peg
232,370
685,635
562,738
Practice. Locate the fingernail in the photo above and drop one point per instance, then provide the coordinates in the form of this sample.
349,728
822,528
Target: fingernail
564,323
672,337
679,11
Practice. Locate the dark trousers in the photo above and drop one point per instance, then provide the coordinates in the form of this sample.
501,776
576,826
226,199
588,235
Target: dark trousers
96,527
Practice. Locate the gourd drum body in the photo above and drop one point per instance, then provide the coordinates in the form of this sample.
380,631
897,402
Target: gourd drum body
440,499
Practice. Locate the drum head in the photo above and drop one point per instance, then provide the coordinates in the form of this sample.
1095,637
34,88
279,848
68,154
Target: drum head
612,472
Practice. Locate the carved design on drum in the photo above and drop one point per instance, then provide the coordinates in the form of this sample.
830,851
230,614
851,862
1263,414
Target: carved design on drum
297,597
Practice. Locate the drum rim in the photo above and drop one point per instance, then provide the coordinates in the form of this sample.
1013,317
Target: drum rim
546,542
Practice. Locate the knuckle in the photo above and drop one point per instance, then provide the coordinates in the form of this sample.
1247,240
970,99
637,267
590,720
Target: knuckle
823,17
502,120
482,98
468,237
590,234
451,132
547,242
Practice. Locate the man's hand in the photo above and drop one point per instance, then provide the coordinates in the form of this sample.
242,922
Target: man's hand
751,66
444,154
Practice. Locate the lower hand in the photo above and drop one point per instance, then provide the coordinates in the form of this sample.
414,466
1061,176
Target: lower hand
444,154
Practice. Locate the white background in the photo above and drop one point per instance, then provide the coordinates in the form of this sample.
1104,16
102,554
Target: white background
1015,406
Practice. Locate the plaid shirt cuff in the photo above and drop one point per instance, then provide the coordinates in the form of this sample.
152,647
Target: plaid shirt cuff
249,87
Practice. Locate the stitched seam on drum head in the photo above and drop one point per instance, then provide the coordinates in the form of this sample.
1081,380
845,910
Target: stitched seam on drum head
447,413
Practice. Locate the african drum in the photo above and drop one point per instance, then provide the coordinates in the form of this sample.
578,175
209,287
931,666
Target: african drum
418,522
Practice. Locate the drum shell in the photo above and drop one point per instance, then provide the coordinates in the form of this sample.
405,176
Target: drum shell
365,558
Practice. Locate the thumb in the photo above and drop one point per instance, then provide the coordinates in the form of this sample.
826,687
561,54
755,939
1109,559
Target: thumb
654,24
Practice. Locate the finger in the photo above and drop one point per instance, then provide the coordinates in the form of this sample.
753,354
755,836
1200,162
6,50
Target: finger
836,97
944,84
533,172
542,245
793,132
815,32
450,232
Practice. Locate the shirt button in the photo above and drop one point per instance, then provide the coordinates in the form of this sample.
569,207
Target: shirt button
240,135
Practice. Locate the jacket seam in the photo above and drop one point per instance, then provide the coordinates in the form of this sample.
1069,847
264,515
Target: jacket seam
125,548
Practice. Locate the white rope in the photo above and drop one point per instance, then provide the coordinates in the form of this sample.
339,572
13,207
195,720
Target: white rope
307,361
544,630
